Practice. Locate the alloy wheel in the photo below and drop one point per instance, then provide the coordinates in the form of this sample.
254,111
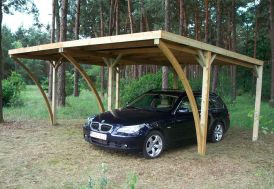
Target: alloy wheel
218,132
154,145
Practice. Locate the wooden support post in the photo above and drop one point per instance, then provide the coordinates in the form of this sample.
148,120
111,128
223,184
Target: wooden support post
86,77
117,99
110,87
35,80
54,87
206,61
111,64
182,76
259,70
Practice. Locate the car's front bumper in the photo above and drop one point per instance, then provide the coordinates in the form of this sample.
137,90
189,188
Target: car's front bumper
117,142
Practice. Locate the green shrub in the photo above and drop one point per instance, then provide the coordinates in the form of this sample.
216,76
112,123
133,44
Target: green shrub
12,86
130,89
103,181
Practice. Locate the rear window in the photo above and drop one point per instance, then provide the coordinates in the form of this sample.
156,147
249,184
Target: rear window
216,103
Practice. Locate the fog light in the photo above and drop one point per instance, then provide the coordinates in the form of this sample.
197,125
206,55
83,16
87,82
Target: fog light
125,145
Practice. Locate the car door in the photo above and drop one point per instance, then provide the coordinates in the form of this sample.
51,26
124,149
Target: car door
184,127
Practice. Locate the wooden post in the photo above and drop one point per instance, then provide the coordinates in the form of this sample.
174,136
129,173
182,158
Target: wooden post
111,64
54,86
110,86
259,70
117,99
206,62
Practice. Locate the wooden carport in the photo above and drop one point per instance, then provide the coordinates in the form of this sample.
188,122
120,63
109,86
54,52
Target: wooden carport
147,48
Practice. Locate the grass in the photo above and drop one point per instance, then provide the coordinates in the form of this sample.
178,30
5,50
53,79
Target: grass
241,111
34,106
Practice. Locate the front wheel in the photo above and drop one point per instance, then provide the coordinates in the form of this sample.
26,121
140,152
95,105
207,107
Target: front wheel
217,133
153,145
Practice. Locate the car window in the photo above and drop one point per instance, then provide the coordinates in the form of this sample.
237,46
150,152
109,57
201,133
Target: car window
185,104
160,102
216,103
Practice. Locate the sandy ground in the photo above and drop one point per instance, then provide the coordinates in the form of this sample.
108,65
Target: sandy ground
37,155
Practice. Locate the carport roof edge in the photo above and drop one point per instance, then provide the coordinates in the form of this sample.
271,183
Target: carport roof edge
152,37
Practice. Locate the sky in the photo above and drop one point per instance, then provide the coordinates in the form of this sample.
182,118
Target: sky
19,19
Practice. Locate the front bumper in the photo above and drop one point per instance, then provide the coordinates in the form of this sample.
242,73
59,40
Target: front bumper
116,142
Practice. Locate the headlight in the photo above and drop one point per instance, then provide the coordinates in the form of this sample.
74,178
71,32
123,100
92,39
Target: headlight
89,120
130,129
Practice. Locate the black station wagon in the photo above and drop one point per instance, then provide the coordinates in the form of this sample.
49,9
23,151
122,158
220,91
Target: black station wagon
154,121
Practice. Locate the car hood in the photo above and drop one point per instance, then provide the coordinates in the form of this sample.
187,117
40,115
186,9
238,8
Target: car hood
129,116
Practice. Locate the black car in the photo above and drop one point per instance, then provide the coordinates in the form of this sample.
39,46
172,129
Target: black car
154,121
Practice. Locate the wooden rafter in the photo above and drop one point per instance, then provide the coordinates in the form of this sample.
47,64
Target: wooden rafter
177,67
86,77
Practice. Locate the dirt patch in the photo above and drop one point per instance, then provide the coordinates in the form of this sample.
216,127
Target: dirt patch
37,155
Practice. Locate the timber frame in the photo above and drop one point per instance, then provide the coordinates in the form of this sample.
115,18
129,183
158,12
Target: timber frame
147,48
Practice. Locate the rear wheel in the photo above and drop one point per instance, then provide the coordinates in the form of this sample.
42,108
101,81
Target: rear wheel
217,132
153,145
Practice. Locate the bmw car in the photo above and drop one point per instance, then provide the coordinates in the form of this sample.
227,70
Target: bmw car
154,121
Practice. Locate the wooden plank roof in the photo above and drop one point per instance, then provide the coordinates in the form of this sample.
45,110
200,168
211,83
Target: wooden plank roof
137,48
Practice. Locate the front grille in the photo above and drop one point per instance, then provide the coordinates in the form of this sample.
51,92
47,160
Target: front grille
102,127
95,126
106,128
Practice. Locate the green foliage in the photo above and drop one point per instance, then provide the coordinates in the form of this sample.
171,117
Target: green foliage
242,112
132,181
12,87
103,182
130,89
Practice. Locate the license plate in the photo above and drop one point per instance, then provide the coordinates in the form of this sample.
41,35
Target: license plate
98,135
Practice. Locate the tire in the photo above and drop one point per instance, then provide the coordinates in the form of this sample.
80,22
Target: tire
153,145
217,133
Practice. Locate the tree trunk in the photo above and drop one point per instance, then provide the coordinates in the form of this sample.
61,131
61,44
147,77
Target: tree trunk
52,41
129,6
77,31
61,85
255,32
102,73
218,39
206,20
183,22
117,18
1,64
111,10
142,29
130,16
271,19
58,22
233,48
167,28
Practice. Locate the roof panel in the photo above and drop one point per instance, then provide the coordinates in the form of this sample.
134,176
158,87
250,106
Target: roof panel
137,48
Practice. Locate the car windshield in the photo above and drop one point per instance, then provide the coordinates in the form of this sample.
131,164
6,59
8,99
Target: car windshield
154,102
